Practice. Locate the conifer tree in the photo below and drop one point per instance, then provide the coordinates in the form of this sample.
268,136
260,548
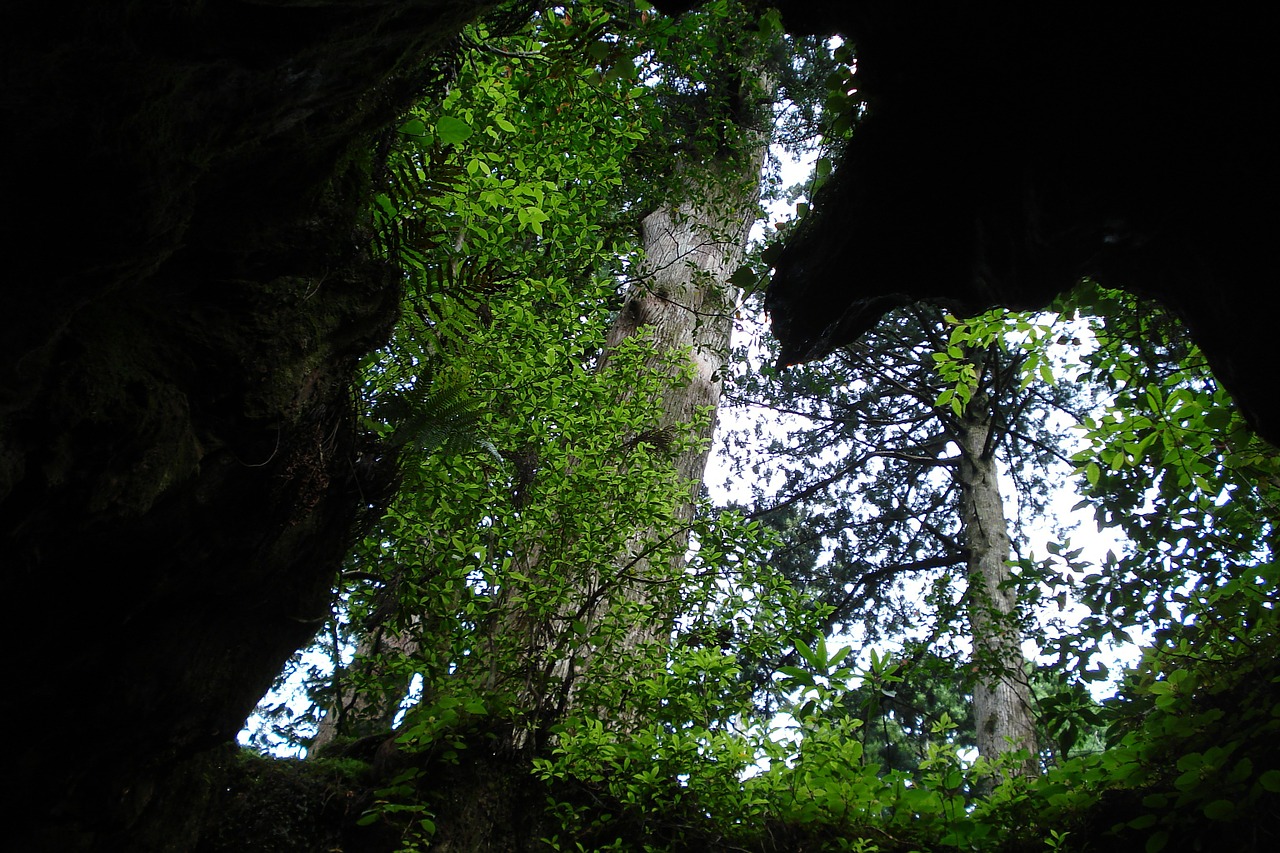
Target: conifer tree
888,487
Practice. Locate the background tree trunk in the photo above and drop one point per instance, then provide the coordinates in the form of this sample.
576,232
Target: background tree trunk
357,710
682,304
1001,694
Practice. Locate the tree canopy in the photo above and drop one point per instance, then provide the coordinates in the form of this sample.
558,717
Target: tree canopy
812,660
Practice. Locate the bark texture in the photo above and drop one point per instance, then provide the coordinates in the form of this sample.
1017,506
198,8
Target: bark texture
363,708
1001,695
684,304
180,470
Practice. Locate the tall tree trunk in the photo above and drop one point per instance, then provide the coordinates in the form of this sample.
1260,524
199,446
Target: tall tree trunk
1001,695
361,707
683,304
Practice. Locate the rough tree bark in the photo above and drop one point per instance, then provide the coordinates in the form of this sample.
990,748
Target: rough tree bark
1001,695
363,712
684,305
180,465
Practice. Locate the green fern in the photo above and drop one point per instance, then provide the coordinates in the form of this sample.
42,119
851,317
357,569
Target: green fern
440,415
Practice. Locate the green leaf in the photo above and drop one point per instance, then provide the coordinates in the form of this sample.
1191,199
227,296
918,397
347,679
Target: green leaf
417,129
798,673
1046,374
744,278
452,130
1220,810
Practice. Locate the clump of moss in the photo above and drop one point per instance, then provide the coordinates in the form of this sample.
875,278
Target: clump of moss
281,805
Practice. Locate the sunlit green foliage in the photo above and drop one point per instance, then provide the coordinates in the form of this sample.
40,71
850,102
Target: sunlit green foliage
502,553
512,207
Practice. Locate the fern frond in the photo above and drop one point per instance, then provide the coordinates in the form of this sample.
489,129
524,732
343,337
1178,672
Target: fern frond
434,416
